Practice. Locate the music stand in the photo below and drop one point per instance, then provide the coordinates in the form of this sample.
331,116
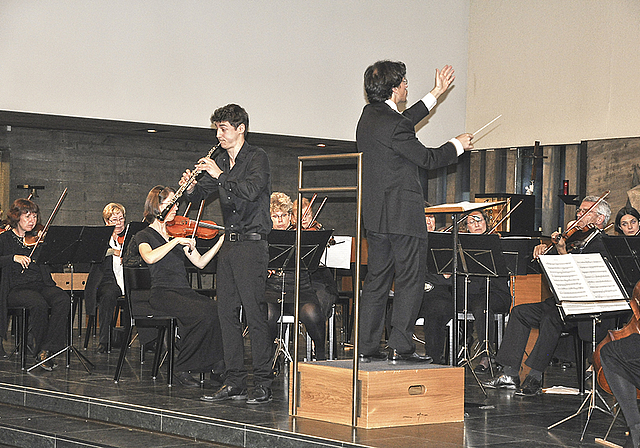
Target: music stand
479,256
282,245
66,245
624,255
455,210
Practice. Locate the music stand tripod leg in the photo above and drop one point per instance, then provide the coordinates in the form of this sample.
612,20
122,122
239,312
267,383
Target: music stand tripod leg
281,347
464,350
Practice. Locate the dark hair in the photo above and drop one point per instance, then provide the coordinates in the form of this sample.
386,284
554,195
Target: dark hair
625,211
152,204
380,79
232,113
19,208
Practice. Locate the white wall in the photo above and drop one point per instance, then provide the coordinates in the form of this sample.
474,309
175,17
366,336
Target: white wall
296,66
559,71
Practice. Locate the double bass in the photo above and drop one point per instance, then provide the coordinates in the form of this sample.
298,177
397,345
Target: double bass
633,326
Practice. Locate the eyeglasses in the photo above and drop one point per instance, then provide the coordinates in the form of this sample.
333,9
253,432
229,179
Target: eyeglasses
120,219
582,211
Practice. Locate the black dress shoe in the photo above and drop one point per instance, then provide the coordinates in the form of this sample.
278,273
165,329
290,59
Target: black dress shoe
530,387
226,393
503,381
380,356
102,348
186,379
407,358
3,354
260,394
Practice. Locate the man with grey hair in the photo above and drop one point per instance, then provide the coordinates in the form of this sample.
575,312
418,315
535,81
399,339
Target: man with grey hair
545,315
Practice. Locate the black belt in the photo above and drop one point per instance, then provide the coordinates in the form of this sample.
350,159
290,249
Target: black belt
233,237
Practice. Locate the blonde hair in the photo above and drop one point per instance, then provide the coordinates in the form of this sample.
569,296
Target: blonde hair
110,209
280,202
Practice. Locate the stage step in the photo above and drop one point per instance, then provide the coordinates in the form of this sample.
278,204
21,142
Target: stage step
30,428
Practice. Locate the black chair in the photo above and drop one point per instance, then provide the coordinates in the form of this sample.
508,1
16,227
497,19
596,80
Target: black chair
20,316
138,280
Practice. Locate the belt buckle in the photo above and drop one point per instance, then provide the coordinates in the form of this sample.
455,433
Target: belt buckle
233,237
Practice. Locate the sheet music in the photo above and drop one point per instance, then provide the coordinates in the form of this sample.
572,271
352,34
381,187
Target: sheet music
583,284
338,255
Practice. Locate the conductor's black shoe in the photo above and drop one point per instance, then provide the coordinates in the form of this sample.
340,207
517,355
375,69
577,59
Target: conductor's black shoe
407,358
102,348
259,395
3,354
186,379
379,356
226,393
530,387
503,381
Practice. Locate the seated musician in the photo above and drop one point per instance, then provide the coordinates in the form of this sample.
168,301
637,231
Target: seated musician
322,279
198,327
310,313
627,222
106,281
436,307
499,296
26,283
620,360
545,315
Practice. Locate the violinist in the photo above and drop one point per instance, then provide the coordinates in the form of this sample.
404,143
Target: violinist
310,311
322,278
198,327
477,222
106,280
545,315
28,284
627,222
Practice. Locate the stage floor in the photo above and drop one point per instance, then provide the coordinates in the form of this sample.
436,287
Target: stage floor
499,420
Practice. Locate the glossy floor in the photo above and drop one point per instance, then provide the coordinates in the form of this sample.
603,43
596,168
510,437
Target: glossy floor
498,420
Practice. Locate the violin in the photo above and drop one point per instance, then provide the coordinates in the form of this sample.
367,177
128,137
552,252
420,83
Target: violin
633,326
31,238
182,226
579,236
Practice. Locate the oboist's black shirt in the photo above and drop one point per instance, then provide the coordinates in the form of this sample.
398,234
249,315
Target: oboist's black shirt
244,190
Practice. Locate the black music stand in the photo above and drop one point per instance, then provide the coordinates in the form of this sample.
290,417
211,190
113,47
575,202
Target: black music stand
479,256
282,245
624,255
66,245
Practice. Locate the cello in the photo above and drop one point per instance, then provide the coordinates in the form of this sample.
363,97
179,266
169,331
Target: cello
633,326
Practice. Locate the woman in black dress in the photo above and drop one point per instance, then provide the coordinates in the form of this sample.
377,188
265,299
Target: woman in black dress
26,283
200,347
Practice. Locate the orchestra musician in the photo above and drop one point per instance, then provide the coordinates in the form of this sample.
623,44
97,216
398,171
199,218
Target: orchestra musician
200,338
310,313
392,204
322,279
545,315
106,280
26,283
477,222
627,220
620,360
240,176
437,306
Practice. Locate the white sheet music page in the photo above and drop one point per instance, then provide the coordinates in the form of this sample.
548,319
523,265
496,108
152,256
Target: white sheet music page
583,283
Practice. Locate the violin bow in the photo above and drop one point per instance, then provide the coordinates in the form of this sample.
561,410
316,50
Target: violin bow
46,227
318,211
505,217
195,227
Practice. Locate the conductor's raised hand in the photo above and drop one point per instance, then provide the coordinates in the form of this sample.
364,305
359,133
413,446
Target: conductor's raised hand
466,140
444,79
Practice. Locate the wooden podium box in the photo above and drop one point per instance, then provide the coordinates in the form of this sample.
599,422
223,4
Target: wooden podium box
390,395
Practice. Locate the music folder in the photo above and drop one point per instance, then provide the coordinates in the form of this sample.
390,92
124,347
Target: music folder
583,284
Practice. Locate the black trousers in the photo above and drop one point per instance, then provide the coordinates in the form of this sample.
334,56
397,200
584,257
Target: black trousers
437,311
49,330
241,275
200,346
404,257
544,316
107,297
